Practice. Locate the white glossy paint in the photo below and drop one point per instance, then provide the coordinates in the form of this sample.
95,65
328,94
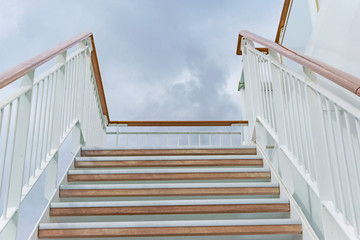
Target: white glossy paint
316,133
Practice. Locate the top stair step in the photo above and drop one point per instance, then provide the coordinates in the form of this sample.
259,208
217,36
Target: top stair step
246,150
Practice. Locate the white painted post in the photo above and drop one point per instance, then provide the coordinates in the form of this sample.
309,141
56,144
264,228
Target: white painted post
317,127
252,103
279,99
58,105
18,156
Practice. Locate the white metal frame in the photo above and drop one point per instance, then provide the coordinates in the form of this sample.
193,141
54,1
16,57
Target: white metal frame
36,120
316,131
173,138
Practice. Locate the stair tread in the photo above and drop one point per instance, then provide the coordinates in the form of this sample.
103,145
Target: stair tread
155,158
168,203
187,223
169,185
168,170
167,147
169,151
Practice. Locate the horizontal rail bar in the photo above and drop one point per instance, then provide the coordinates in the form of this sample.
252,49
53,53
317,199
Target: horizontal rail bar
339,77
176,123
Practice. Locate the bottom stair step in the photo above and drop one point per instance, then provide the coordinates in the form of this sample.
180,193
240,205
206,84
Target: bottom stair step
169,228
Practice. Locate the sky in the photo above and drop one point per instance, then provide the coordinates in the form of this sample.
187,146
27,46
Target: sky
159,59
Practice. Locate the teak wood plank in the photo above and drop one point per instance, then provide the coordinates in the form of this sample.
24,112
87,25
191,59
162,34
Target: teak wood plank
168,152
168,176
181,209
169,163
171,231
169,192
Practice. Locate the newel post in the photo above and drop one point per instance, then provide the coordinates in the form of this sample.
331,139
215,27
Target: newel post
251,98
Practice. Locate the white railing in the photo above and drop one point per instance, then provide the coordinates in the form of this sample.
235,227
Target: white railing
37,118
126,137
317,133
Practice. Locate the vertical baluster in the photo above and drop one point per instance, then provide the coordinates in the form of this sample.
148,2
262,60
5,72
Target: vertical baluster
289,136
1,118
259,86
188,138
309,142
220,140
42,138
357,126
63,73
51,112
295,145
38,129
298,125
352,173
333,155
271,93
66,98
231,139
17,164
266,92
69,97
32,129
209,139
344,167
76,83
59,103
5,153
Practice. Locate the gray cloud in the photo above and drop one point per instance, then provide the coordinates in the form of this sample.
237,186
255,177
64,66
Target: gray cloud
159,59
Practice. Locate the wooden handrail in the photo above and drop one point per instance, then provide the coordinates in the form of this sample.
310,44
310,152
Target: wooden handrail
25,67
99,84
339,77
177,123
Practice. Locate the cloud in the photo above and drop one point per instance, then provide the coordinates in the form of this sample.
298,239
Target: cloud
159,59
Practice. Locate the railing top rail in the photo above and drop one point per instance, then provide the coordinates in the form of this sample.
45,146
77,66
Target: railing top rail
25,67
177,123
339,77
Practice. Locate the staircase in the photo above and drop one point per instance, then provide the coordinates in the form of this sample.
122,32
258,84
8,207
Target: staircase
208,193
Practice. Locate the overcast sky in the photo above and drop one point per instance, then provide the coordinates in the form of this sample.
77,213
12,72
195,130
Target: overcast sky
159,59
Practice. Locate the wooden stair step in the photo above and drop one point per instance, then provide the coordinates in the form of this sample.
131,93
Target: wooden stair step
169,207
168,189
169,228
169,152
168,161
168,174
